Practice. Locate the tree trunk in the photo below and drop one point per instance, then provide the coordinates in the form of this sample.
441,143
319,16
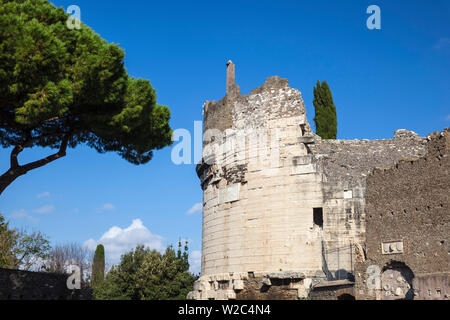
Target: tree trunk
17,170
7,178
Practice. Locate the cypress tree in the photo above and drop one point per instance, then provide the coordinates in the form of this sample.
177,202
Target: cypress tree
98,266
325,118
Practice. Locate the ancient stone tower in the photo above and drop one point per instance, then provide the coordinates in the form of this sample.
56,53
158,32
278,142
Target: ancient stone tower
282,208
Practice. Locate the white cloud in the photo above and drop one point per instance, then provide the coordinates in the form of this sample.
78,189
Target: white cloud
44,195
195,262
45,209
22,214
118,241
198,207
447,118
108,207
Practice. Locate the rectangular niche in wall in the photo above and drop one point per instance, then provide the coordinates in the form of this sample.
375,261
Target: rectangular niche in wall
318,217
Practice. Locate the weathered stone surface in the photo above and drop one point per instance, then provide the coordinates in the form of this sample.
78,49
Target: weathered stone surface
229,194
432,286
286,275
266,281
332,290
238,285
254,289
307,139
230,76
409,203
353,160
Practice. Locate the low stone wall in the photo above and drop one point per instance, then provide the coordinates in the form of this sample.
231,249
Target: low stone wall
24,285
252,286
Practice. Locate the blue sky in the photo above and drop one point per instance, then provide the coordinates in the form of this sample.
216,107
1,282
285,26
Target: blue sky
381,80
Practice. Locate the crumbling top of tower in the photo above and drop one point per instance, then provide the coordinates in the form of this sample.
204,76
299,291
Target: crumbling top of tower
272,100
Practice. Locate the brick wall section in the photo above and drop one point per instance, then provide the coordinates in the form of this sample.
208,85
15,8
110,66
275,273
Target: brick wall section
409,202
346,165
353,160
23,285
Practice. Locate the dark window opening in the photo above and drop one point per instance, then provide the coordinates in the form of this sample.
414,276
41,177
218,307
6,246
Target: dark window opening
318,217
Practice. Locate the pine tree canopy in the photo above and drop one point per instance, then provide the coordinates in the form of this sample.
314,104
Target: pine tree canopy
60,88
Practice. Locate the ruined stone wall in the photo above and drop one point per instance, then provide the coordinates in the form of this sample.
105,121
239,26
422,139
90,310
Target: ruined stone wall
252,286
279,289
408,226
345,164
24,285
217,115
